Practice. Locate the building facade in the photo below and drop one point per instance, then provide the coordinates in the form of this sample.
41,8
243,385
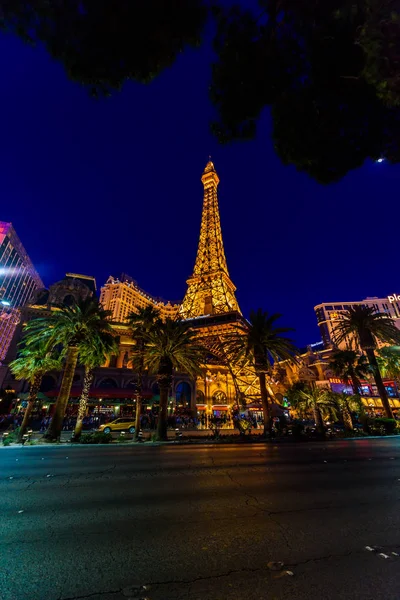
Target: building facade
329,313
209,307
313,367
18,281
122,296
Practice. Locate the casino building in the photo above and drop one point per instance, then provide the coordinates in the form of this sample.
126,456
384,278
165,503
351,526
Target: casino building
122,296
314,362
18,281
210,308
328,313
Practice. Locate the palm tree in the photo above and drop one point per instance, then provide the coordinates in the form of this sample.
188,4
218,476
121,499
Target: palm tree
388,359
350,367
310,400
263,343
141,323
169,346
363,326
93,353
69,326
340,403
32,364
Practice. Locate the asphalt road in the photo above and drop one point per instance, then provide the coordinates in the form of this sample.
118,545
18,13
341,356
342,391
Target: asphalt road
202,522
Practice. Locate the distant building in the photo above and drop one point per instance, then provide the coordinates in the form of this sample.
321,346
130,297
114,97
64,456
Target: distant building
123,296
313,367
42,301
18,281
329,313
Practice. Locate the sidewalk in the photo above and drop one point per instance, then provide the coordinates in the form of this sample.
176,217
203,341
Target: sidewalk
147,434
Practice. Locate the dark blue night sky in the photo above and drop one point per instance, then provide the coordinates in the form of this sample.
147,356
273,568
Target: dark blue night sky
108,186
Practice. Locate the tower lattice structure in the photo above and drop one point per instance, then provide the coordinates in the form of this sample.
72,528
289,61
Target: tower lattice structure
210,304
210,290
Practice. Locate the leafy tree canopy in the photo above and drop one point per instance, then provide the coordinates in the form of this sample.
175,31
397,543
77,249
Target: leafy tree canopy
327,69
103,43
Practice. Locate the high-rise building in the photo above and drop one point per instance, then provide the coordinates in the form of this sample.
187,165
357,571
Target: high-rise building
18,281
329,313
122,296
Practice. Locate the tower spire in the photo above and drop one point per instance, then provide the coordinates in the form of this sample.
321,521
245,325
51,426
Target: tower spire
210,289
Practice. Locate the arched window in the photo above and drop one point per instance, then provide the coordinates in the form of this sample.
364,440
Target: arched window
219,397
200,398
108,383
132,385
183,394
69,300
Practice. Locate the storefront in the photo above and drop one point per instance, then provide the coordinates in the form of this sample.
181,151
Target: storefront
109,403
368,389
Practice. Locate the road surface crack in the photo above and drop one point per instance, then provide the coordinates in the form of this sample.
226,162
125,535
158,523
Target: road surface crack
282,529
250,497
320,558
246,570
91,595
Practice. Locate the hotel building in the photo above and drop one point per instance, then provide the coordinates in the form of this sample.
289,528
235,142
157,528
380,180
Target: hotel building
123,296
18,281
329,313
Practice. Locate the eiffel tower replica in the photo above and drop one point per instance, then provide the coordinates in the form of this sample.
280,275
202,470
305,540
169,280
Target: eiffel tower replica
210,305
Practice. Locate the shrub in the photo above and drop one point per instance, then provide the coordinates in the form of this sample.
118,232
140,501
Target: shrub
297,429
97,437
11,437
384,426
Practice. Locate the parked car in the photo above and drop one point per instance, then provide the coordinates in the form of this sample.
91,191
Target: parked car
123,424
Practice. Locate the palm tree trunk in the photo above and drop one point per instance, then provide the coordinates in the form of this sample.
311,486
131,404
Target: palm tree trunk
33,392
54,431
83,401
356,385
162,414
361,410
138,408
347,420
379,382
319,422
265,403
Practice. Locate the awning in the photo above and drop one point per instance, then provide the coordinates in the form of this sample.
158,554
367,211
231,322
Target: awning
40,396
102,393
220,407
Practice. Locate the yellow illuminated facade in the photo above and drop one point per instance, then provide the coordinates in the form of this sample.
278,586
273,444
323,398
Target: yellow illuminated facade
210,290
211,308
123,296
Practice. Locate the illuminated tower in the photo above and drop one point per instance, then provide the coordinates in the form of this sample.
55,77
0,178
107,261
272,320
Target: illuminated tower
211,308
210,290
